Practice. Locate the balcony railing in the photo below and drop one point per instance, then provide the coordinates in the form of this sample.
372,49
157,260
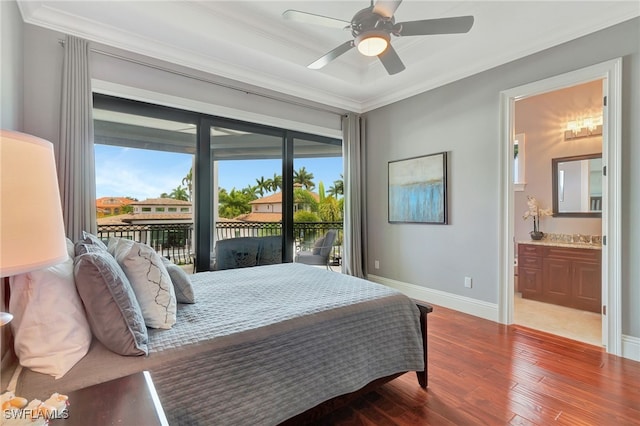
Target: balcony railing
175,241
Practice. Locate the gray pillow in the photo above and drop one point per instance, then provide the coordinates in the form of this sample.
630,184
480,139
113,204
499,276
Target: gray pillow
81,248
92,239
112,309
181,284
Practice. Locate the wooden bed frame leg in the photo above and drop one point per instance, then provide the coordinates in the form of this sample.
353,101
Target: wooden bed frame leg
424,311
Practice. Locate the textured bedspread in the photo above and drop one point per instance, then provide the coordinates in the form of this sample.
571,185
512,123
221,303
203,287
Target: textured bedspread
261,345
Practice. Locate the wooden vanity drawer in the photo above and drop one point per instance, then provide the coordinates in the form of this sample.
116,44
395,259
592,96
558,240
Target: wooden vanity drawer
529,250
589,255
528,261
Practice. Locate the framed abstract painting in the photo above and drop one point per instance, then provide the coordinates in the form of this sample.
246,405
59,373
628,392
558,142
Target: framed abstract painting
418,189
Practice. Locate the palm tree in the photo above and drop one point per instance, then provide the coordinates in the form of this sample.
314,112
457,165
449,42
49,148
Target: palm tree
276,183
263,185
304,178
179,193
251,192
188,182
337,188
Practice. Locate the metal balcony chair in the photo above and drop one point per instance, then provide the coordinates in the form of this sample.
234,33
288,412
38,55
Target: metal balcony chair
320,252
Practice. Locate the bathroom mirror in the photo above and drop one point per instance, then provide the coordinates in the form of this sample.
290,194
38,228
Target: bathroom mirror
577,185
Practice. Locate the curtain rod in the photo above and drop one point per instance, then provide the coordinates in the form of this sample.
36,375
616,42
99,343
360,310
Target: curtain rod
206,80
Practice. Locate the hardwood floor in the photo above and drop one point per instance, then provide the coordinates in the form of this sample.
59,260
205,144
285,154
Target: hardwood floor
484,373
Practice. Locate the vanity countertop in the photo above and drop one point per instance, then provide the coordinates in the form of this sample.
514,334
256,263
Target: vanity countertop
562,244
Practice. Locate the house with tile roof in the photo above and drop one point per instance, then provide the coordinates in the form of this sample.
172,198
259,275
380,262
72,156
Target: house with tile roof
108,206
269,208
154,211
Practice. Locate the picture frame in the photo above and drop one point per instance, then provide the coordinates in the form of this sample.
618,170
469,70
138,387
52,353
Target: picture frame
418,190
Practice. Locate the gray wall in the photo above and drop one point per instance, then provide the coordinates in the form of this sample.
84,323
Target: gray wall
11,71
161,81
463,119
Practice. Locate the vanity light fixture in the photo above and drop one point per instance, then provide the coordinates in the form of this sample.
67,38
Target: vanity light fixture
583,128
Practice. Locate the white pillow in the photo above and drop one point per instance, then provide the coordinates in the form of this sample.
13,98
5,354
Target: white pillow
71,249
50,327
150,281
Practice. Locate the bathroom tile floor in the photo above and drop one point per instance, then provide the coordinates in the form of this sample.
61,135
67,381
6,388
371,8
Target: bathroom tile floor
570,323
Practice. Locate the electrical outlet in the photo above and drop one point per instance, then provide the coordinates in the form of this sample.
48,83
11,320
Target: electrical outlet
467,282
376,264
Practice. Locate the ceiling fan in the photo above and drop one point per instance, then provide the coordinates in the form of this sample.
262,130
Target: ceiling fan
372,28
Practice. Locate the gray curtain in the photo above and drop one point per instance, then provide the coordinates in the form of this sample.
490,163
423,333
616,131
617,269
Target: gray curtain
75,154
354,257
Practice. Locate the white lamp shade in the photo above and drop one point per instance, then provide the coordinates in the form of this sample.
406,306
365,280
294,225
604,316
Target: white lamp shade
32,232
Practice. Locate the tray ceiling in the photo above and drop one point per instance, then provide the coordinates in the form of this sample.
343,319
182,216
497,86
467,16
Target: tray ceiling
250,42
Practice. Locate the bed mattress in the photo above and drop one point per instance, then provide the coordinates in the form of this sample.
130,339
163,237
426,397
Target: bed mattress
261,345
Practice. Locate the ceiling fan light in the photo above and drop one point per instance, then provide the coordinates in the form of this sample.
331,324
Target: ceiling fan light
372,43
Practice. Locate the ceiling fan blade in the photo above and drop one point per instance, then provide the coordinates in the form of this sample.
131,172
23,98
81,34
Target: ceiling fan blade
391,61
343,48
386,8
457,25
312,18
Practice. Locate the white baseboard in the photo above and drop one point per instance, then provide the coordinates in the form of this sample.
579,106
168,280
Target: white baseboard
467,305
489,311
631,347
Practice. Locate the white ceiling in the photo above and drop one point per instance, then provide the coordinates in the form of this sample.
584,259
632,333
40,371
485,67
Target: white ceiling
249,41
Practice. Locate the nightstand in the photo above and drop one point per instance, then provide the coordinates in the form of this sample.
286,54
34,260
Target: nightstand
129,400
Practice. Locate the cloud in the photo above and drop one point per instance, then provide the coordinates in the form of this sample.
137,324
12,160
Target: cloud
122,172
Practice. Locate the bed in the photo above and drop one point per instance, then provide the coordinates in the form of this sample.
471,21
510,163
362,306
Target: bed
263,345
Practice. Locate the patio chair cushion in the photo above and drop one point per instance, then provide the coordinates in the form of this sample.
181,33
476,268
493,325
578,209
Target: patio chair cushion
236,253
244,252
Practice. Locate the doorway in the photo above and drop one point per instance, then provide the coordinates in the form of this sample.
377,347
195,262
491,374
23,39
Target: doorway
555,131
610,74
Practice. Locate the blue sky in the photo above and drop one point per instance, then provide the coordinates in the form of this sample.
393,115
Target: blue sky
141,174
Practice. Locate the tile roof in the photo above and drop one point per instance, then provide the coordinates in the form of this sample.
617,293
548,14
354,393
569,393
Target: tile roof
260,217
126,219
113,201
161,202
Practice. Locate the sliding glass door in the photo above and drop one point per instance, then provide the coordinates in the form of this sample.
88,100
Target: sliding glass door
318,195
245,170
202,179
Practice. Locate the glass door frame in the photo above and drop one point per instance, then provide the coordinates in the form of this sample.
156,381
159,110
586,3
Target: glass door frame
203,170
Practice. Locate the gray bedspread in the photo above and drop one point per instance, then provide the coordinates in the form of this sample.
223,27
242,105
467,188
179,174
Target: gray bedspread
261,345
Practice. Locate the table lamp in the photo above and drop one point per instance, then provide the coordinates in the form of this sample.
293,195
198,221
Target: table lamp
32,232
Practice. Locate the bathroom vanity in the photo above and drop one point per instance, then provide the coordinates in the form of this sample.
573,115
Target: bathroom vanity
564,274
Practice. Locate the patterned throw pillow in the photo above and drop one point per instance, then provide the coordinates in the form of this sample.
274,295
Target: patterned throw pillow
150,281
